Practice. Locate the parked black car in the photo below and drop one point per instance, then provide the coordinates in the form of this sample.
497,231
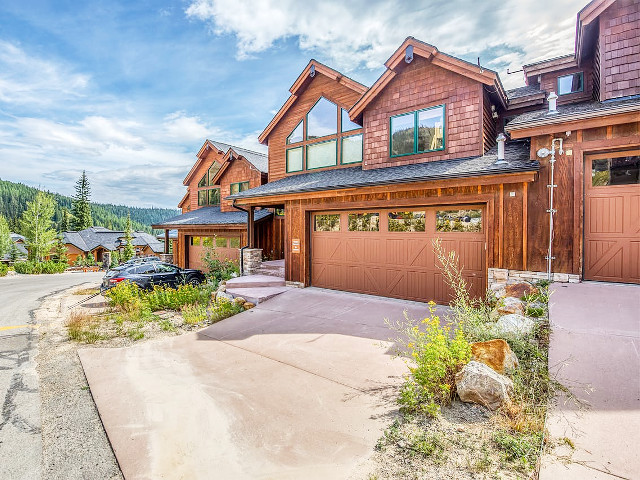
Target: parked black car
139,260
148,274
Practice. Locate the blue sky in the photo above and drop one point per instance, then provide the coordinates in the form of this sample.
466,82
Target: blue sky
129,90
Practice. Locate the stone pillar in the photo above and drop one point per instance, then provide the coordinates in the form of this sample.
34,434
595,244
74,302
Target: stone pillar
252,260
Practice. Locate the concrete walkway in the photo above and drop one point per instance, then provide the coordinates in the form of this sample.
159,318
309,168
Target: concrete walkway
297,387
595,346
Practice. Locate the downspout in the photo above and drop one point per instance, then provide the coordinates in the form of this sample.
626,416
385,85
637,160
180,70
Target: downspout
246,246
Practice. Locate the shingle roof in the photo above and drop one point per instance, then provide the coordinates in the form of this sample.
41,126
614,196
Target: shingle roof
212,216
93,237
525,91
257,159
575,110
22,251
516,154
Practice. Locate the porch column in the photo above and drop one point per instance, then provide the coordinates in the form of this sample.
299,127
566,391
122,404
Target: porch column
166,241
250,229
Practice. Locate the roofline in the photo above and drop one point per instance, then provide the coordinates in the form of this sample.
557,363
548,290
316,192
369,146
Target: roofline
184,198
560,118
191,225
586,16
387,182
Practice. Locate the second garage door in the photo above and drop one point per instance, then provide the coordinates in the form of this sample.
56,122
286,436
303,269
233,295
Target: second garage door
389,252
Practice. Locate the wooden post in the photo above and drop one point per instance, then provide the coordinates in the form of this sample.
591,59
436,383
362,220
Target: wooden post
251,229
166,241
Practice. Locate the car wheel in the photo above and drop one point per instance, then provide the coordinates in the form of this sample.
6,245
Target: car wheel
193,281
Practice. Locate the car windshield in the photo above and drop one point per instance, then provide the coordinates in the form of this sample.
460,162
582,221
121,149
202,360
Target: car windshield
142,269
165,268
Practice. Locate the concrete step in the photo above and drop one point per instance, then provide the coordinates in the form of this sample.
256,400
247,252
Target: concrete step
255,281
257,295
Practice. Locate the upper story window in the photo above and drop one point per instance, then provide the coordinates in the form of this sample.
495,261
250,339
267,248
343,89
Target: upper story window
207,178
209,197
313,149
571,83
238,187
417,132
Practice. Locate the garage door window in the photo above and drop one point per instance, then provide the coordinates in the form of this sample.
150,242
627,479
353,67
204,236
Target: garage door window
221,242
207,242
326,223
459,220
364,222
615,171
195,241
406,221
234,242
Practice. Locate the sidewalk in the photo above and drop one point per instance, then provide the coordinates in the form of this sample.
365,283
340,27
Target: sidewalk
595,348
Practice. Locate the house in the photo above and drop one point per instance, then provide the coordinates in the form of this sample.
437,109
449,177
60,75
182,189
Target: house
369,177
19,243
209,220
95,241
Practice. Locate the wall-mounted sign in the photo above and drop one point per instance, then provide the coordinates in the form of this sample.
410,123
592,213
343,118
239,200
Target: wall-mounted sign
295,245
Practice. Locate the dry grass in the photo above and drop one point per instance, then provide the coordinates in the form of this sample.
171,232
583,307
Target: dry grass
83,327
86,291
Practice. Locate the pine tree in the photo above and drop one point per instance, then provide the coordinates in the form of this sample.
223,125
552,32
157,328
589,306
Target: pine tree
5,238
14,253
37,226
81,207
129,251
59,252
65,221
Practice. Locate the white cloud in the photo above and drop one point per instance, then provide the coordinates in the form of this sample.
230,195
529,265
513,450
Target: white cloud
362,33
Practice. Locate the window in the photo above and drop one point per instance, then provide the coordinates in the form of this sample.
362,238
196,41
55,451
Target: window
346,124
323,154
203,181
143,269
207,178
326,223
164,268
214,196
234,242
221,242
364,222
459,220
238,187
202,198
279,212
296,135
351,149
417,132
294,159
207,242
571,83
195,241
406,221
322,119
615,171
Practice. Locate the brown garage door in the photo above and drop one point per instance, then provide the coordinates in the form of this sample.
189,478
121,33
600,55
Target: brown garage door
612,217
389,252
227,248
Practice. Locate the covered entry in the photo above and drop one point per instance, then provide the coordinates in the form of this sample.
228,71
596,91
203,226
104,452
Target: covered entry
389,252
612,217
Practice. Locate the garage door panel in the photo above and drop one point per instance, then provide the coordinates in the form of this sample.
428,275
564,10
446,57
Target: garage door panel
472,255
328,248
634,261
606,215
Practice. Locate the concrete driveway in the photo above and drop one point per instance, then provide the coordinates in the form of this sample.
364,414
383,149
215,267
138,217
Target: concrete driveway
298,387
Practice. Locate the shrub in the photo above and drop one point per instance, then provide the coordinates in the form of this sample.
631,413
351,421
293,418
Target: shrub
82,327
224,308
435,357
3,269
219,270
175,298
123,295
32,267
194,314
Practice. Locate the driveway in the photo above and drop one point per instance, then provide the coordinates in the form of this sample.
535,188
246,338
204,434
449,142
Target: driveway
595,349
297,387
20,439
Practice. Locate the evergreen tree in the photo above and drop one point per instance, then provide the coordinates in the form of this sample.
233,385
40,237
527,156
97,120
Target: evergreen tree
37,226
81,207
129,251
65,222
14,253
59,252
5,238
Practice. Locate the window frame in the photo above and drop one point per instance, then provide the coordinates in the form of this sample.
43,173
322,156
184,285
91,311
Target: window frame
342,149
306,121
301,122
239,187
581,73
306,154
302,162
416,114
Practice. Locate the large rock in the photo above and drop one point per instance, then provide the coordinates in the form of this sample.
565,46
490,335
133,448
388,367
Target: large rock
495,353
515,324
499,290
479,383
509,305
521,289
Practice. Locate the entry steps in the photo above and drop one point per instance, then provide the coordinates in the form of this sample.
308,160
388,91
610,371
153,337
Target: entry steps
256,288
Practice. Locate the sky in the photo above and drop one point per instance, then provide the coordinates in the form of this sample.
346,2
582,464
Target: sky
129,90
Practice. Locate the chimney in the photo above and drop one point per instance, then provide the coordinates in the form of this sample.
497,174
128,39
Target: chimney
552,98
501,138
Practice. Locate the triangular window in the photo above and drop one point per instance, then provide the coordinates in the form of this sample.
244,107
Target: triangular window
296,135
347,124
322,119
203,181
213,170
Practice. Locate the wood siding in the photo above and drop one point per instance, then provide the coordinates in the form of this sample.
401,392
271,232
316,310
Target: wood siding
210,156
549,83
320,86
239,170
421,85
489,124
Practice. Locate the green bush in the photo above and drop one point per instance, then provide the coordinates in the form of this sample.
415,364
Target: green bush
194,314
32,267
128,296
435,357
219,270
224,308
3,269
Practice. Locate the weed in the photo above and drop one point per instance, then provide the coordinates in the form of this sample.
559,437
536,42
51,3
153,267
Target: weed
428,445
82,327
194,314
135,334
86,291
166,325
522,450
224,308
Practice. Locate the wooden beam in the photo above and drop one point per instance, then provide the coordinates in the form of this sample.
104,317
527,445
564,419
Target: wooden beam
166,240
501,226
251,228
574,124
525,201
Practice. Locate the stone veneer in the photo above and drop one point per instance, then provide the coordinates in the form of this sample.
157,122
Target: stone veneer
252,260
502,275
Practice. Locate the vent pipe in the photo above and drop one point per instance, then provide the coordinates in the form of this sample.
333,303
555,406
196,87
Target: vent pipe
552,98
501,138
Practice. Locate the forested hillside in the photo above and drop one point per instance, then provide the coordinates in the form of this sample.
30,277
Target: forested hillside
14,198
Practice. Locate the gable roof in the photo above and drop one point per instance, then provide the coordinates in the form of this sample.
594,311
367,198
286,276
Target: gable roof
257,159
184,199
301,83
585,27
211,216
91,238
433,55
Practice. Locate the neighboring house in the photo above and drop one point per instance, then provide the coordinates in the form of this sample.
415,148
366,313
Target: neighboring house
95,241
170,236
20,242
369,177
209,220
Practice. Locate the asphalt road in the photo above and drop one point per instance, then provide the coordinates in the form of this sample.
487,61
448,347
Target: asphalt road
20,438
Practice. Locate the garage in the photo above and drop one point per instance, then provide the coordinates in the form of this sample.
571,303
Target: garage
612,217
388,252
225,247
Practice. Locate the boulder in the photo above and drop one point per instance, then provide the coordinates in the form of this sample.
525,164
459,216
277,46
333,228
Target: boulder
479,383
521,289
222,288
248,305
224,295
495,353
498,290
509,305
240,300
515,324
